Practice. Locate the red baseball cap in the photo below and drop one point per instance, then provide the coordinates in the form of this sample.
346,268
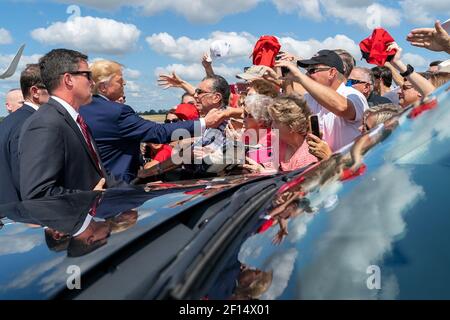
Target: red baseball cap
187,111
373,48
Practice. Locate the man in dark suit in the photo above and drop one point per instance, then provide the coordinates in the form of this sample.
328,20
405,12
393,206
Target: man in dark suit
56,152
118,130
35,94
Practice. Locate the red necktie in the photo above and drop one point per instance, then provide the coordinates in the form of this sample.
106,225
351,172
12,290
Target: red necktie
87,137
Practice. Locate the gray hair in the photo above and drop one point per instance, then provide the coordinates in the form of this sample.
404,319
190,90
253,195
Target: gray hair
348,60
257,105
367,74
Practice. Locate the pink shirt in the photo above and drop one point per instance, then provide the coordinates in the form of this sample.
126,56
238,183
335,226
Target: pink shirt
299,159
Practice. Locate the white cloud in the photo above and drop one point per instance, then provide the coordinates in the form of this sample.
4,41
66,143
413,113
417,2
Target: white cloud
424,12
204,11
132,86
201,11
414,60
364,13
131,73
90,34
307,48
19,244
29,275
350,11
192,50
5,36
282,264
305,8
196,71
363,229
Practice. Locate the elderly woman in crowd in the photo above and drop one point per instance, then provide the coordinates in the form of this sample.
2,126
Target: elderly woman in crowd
290,118
258,135
289,115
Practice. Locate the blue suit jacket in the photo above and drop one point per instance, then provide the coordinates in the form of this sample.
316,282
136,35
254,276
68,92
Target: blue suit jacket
9,159
118,132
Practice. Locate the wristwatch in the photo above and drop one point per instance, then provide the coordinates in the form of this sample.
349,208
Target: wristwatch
409,70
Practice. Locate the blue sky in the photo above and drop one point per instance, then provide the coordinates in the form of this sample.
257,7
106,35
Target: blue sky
151,36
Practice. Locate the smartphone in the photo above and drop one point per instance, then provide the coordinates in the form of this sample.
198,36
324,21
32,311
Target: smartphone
314,125
284,70
278,56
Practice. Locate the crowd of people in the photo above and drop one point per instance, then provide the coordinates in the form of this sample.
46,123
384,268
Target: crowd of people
70,129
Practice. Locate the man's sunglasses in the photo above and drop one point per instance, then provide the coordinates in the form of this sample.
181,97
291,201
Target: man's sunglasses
317,69
351,82
199,91
87,74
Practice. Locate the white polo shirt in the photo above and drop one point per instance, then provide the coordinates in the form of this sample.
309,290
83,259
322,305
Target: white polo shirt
337,131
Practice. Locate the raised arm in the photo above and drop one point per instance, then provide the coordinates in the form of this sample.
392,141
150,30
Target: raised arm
327,97
174,81
421,84
207,64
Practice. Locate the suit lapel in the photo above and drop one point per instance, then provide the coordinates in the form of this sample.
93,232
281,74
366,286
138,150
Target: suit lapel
77,131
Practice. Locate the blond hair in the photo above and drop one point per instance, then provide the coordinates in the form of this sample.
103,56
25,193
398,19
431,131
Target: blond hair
103,71
265,87
292,111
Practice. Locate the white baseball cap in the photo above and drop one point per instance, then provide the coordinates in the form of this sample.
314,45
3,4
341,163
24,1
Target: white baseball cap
219,48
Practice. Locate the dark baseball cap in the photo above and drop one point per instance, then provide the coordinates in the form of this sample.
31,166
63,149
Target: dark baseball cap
326,57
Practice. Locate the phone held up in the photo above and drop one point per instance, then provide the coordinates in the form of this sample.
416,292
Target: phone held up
314,125
284,70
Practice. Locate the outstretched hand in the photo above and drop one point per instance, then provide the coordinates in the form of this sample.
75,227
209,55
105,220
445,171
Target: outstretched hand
215,117
434,39
170,81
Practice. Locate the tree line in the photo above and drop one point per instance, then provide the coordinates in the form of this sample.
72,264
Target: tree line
152,112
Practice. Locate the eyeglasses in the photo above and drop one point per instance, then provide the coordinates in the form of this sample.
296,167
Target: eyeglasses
87,74
172,121
199,91
314,70
351,82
